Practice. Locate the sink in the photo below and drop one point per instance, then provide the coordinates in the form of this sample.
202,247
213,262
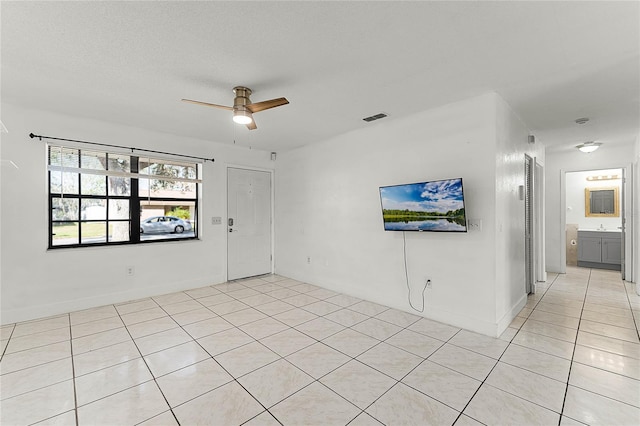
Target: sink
599,230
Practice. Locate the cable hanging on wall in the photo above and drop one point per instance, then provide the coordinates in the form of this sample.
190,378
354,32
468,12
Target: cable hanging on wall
41,137
406,275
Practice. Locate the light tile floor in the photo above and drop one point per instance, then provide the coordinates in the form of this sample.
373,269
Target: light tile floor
271,350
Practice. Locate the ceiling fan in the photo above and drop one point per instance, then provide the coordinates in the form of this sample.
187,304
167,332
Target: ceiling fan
242,108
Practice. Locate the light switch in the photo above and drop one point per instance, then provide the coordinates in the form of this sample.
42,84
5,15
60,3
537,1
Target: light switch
216,220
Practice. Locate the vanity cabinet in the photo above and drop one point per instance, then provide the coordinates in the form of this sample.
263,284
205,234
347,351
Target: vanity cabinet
600,249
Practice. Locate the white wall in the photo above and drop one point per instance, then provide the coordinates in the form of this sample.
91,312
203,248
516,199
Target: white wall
575,185
558,162
512,145
37,282
328,209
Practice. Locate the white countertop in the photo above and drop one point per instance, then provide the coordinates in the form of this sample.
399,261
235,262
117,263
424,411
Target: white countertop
600,230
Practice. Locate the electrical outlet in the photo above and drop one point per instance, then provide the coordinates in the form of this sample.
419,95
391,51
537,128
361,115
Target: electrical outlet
309,259
130,271
429,283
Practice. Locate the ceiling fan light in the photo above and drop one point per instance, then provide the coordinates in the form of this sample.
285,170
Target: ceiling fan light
242,117
588,146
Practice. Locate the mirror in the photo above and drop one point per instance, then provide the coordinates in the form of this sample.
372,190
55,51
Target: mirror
601,202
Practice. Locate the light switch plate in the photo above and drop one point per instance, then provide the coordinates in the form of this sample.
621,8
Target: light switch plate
216,220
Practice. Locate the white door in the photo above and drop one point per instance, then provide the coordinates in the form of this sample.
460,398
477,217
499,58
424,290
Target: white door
248,223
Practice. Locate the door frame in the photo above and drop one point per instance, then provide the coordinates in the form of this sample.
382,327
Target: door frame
539,242
627,229
529,226
226,211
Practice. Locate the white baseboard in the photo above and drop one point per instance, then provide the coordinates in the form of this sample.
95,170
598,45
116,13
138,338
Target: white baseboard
487,328
509,316
43,311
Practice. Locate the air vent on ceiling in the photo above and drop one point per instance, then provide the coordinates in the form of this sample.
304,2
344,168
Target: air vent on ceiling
375,117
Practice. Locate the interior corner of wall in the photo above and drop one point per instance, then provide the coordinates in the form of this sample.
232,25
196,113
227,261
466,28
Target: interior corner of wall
506,319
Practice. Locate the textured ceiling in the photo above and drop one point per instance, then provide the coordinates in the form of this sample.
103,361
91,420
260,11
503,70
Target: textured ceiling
336,62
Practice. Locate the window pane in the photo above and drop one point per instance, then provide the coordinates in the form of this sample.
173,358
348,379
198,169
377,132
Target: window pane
93,160
65,233
55,182
119,163
93,184
119,231
70,183
65,209
170,168
119,185
118,209
159,188
93,209
167,220
93,232
63,157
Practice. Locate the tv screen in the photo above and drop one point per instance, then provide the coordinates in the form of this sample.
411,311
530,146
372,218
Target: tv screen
426,206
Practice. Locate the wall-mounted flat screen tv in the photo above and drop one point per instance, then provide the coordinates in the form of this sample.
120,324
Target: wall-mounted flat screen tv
426,206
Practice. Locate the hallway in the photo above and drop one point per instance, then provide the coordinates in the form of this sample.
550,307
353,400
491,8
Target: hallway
588,316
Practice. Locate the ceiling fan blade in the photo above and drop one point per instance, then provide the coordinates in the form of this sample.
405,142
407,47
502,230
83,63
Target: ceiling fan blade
228,108
252,125
261,106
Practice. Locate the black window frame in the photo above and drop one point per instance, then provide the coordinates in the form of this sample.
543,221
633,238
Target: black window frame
134,200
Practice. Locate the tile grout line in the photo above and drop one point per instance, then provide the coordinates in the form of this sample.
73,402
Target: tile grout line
57,383
633,317
573,353
321,342
461,413
4,351
608,371
290,327
198,343
235,379
194,340
150,372
73,373
412,370
280,357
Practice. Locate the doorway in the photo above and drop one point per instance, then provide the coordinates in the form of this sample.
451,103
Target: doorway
594,229
535,269
248,223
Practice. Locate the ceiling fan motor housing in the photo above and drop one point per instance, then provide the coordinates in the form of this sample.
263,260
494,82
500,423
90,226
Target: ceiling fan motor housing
242,98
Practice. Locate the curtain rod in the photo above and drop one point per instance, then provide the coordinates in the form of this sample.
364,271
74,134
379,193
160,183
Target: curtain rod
31,135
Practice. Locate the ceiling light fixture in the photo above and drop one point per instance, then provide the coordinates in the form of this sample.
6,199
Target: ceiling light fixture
588,146
242,116
603,177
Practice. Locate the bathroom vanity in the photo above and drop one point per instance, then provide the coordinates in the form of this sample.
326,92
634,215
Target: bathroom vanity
600,248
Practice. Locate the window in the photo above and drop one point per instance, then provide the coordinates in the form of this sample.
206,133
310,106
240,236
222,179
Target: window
99,198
